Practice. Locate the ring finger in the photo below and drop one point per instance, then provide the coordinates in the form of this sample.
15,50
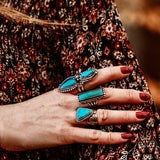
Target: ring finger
103,116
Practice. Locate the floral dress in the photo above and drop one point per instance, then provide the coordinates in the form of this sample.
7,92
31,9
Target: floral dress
35,59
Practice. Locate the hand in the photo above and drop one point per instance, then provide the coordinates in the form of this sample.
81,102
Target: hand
50,119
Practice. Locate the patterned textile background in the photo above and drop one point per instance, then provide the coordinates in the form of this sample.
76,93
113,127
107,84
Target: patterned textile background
35,59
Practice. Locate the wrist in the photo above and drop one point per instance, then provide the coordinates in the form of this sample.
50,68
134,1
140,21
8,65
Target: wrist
6,112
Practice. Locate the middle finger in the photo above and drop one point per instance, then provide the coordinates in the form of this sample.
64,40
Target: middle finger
104,96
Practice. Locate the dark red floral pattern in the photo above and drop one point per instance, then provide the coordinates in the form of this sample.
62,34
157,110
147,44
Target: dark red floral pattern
35,59
108,30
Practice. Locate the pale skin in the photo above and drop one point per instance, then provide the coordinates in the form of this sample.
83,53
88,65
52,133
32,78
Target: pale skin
49,120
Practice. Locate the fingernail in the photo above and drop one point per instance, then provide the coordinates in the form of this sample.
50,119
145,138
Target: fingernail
145,96
126,135
126,69
142,115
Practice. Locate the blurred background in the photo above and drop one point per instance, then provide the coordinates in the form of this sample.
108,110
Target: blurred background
141,19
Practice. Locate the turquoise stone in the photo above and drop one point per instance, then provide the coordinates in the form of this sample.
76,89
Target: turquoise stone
68,83
82,113
86,73
91,94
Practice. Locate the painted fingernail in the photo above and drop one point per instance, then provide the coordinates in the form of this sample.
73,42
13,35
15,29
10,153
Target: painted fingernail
142,114
126,69
126,135
144,96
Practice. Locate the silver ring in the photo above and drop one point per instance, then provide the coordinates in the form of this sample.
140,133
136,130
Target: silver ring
93,119
91,97
87,115
77,81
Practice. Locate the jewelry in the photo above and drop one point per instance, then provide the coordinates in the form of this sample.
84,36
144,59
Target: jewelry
77,81
89,115
91,97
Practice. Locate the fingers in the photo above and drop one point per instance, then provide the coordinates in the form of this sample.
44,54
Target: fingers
112,96
104,116
80,135
117,117
121,96
108,74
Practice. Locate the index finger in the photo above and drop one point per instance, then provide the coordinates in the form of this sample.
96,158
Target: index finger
108,74
91,78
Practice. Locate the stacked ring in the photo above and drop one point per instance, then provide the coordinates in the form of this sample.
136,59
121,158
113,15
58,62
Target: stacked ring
87,115
77,81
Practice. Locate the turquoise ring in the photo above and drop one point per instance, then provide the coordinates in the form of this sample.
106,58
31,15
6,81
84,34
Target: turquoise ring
77,81
91,97
87,115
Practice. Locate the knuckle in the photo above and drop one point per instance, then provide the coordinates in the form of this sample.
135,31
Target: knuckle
69,101
110,138
95,135
72,101
65,130
126,118
65,135
112,73
103,116
130,94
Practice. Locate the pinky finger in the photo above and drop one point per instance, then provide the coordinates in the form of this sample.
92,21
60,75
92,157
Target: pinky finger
81,135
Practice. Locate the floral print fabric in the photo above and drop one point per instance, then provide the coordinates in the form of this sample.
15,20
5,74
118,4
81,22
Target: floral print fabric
35,59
